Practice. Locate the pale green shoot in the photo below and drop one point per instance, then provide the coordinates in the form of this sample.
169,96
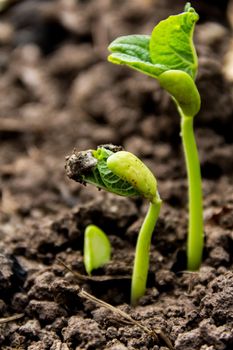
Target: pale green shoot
97,248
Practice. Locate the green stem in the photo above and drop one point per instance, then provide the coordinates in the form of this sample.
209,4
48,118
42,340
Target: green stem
195,232
142,254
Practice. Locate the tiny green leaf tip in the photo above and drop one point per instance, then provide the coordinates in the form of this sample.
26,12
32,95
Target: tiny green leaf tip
188,7
97,248
131,169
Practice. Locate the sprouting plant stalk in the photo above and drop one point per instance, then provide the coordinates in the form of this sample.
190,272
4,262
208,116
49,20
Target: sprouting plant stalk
141,261
124,174
169,56
141,177
195,237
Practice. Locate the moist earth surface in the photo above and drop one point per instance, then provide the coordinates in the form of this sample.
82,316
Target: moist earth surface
58,92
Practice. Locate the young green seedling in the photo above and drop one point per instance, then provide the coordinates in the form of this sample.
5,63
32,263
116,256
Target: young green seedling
120,172
97,248
169,56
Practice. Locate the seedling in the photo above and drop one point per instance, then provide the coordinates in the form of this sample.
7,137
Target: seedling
169,56
120,172
95,240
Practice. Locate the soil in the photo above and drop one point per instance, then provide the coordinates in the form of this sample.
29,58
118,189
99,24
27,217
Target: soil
57,93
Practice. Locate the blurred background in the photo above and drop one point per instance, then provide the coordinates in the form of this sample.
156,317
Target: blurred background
58,92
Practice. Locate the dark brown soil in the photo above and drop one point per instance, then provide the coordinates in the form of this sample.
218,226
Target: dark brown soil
57,92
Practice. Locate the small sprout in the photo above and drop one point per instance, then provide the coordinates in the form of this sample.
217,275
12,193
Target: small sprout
122,173
169,56
97,248
91,167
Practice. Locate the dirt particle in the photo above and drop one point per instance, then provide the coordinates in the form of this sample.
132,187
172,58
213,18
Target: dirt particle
83,333
46,311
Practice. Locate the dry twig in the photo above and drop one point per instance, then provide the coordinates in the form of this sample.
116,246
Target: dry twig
11,318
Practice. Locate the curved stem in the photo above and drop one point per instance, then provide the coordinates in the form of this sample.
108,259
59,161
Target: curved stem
195,235
142,254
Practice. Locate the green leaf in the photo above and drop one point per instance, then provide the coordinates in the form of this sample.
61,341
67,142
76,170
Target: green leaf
111,181
136,46
171,43
114,183
97,248
133,51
